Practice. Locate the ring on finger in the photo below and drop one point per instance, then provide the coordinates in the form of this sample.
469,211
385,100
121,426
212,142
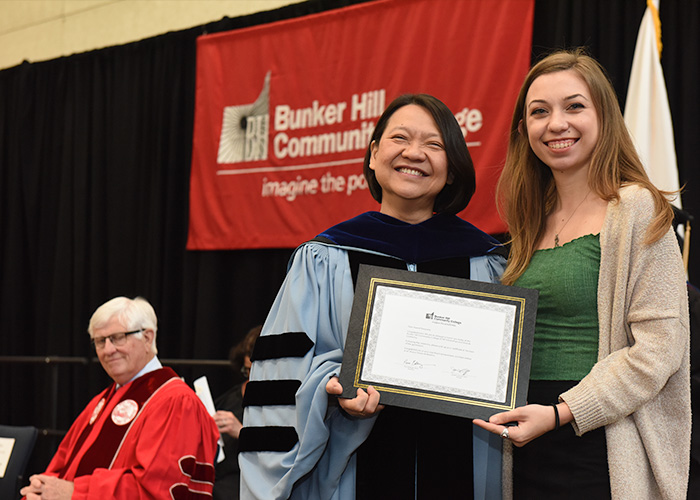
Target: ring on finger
505,434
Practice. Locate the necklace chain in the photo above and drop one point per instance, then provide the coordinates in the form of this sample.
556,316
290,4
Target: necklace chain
556,235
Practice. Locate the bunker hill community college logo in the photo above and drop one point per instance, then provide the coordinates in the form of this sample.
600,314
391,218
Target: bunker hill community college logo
282,138
320,130
244,131
343,126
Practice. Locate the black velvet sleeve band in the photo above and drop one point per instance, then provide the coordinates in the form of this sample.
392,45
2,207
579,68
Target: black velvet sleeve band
284,345
270,392
267,439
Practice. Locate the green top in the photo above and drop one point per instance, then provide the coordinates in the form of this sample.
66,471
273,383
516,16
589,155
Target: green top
566,332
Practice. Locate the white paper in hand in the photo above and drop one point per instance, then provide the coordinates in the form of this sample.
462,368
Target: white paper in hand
201,388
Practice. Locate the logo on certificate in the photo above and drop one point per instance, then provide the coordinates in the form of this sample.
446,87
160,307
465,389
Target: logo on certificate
444,320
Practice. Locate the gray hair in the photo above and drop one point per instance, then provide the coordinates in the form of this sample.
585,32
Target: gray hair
133,314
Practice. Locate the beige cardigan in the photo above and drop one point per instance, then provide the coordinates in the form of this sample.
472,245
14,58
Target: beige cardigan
640,387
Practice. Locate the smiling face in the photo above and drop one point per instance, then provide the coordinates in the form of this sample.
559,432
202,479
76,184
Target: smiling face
410,163
561,121
123,362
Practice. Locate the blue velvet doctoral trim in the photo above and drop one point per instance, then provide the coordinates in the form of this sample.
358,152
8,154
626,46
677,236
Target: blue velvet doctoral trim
440,237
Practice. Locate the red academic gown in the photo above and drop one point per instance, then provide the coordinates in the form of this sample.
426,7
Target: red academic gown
151,439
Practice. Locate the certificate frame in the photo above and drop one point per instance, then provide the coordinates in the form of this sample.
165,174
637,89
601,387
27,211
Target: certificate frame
438,343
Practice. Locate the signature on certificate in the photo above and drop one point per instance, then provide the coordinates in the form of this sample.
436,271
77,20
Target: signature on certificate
413,364
460,372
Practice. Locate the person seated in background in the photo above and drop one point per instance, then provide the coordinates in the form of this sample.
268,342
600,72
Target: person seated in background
229,416
146,436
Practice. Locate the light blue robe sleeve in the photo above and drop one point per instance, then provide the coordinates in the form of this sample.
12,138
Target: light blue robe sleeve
487,447
315,298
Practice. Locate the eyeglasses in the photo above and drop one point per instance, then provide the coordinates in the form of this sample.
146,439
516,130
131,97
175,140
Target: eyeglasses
117,339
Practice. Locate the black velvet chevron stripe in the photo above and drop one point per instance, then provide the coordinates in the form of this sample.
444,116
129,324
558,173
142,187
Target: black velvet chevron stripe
356,258
284,345
267,439
270,392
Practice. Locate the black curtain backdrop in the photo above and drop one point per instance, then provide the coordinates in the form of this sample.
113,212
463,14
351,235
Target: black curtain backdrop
95,155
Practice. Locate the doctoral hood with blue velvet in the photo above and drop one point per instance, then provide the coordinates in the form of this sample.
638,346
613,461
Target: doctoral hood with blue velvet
440,237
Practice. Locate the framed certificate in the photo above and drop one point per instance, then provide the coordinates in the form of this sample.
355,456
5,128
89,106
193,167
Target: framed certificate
440,344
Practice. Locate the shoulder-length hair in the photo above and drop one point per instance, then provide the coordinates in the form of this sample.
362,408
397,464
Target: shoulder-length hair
526,191
461,185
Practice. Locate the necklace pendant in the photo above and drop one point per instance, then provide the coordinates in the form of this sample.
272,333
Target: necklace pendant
556,235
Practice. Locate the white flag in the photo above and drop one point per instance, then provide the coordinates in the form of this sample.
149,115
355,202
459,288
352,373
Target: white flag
647,113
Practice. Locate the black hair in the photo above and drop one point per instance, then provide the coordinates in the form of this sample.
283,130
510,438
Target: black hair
461,185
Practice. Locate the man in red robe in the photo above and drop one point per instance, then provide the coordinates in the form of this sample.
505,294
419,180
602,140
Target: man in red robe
146,436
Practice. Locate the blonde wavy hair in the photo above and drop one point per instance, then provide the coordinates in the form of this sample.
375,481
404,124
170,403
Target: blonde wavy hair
526,192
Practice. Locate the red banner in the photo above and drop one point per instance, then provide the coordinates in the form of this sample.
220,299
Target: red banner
284,111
